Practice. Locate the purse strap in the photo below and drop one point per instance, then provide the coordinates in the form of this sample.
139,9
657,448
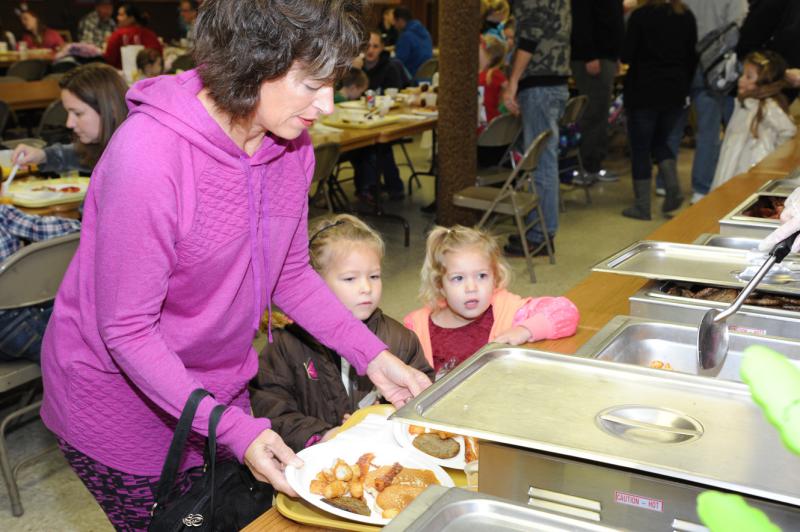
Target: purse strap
211,453
170,470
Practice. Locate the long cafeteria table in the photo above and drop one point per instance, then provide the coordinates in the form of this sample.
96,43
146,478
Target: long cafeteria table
601,296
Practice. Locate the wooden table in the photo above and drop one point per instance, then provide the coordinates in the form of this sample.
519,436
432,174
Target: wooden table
9,58
354,138
30,94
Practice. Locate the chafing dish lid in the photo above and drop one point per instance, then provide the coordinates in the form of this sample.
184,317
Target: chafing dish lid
680,426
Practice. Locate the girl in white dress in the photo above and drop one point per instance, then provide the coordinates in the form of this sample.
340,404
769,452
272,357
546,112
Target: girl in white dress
760,121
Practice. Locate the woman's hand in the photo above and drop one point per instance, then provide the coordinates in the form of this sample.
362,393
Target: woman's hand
24,154
515,336
267,457
396,381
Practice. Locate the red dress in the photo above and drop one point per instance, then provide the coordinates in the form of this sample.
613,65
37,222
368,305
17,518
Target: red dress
125,36
491,91
451,347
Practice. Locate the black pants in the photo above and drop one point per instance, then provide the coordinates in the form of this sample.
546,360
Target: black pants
370,163
648,133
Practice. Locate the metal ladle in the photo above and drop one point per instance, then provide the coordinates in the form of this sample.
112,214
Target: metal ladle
712,337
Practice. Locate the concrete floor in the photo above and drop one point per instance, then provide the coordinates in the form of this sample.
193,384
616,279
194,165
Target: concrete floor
55,499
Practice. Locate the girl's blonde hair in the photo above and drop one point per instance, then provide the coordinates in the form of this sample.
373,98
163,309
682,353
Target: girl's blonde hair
495,6
443,240
496,50
342,228
769,84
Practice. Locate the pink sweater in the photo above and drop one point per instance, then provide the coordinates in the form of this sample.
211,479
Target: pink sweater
185,239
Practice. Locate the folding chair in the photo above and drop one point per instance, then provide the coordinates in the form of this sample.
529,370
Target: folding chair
31,276
326,158
28,69
502,132
11,79
573,111
516,198
51,128
426,70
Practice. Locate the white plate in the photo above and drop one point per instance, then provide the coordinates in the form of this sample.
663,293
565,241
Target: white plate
354,104
406,441
324,455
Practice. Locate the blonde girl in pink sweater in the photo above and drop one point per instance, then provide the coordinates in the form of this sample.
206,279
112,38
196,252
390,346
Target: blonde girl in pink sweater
466,304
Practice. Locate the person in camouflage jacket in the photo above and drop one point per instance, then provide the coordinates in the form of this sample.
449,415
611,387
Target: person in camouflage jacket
538,92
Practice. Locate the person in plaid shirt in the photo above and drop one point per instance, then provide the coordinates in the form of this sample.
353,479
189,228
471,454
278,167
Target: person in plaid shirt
95,27
21,329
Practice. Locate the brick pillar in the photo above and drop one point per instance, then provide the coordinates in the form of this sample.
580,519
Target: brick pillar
458,105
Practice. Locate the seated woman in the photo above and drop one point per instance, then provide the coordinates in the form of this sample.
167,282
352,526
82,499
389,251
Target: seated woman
94,97
130,30
37,34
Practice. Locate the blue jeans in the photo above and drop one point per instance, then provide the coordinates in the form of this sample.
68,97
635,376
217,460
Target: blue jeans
712,111
649,132
21,332
541,109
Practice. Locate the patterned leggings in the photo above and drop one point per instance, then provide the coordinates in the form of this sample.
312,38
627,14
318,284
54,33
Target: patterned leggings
126,499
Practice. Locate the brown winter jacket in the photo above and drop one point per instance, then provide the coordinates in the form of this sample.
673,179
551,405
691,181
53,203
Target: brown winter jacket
299,385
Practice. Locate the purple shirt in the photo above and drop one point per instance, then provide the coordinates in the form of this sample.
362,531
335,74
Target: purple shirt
185,241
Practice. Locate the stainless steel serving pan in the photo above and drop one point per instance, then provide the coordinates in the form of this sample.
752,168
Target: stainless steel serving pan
679,426
440,509
737,224
782,186
641,341
709,265
653,303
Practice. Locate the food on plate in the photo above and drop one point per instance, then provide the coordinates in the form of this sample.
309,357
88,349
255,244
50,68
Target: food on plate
396,497
431,444
728,295
658,364
766,207
393,487
350,504
69,190
416,429
470,449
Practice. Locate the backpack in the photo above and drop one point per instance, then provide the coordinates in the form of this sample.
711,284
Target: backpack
717,58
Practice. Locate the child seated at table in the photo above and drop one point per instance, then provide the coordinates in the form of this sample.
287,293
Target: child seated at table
306,389
22,329
464,279
352,86
760,121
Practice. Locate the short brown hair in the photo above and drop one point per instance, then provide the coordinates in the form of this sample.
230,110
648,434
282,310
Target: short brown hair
355,77
240,44
100,87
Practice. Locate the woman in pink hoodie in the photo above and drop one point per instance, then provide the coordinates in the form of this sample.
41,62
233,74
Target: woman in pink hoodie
194,224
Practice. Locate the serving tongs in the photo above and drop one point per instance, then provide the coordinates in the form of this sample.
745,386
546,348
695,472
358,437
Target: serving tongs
712,336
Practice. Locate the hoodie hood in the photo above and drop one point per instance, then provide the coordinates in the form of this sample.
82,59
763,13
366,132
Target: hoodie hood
172,101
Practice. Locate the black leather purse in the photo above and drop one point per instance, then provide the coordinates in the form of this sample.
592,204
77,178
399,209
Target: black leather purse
227,497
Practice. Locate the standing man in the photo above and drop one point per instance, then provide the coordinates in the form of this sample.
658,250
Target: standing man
414,45
95,27
712,110
537,90
598,30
